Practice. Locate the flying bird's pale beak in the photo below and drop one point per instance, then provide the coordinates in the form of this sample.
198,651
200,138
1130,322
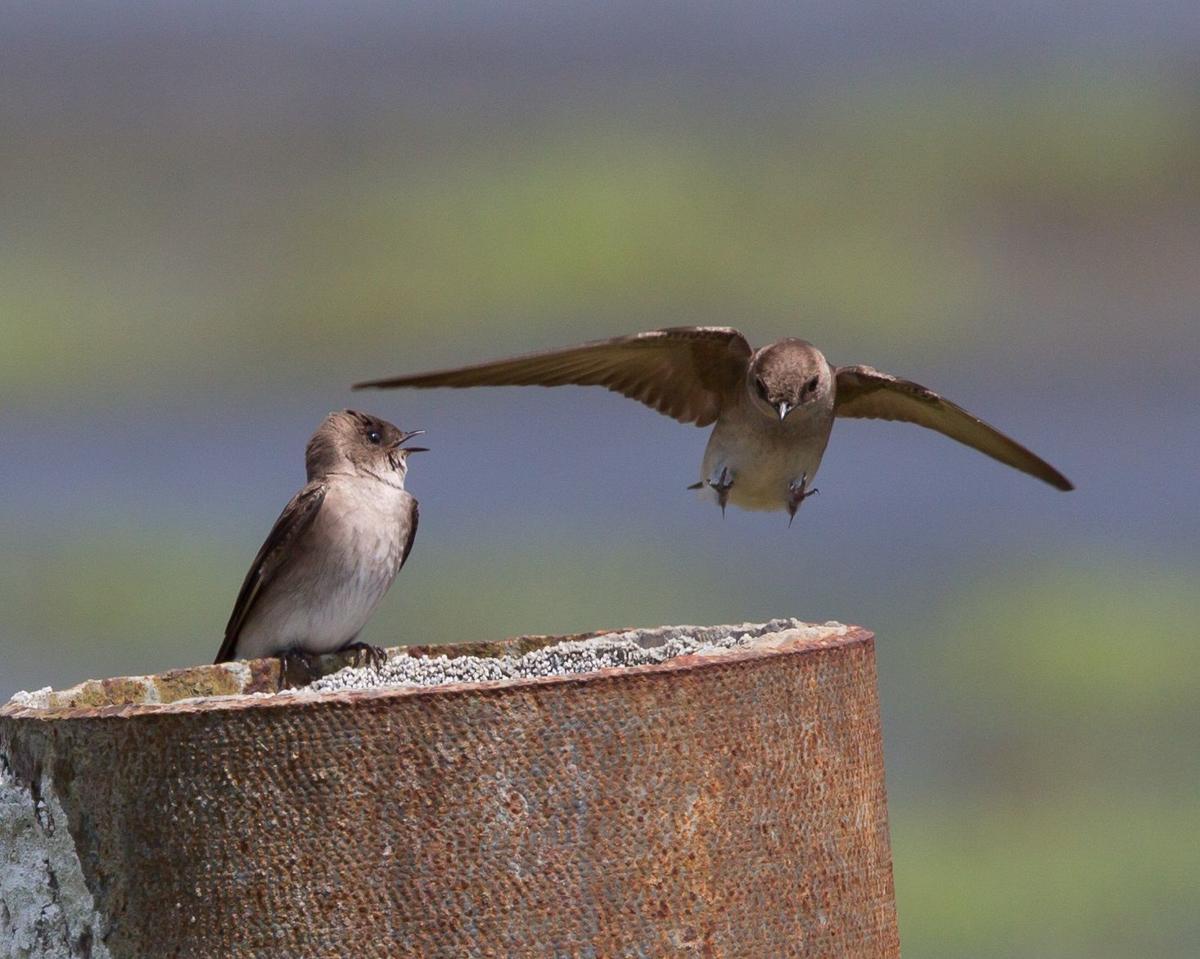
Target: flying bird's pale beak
783,410
405,437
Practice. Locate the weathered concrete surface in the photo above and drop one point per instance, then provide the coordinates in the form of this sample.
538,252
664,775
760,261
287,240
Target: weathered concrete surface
726,804
46,910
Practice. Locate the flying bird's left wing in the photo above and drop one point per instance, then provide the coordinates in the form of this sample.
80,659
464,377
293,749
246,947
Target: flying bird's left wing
866,393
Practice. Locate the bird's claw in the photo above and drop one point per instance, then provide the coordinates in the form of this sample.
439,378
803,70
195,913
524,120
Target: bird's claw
722,485
296,668
798,492
373,656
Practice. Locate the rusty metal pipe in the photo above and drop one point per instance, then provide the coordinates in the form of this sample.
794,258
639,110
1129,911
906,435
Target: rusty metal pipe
727,804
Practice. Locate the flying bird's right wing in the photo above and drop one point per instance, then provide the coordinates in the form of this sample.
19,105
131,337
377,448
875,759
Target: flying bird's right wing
296,517
863,391
685,372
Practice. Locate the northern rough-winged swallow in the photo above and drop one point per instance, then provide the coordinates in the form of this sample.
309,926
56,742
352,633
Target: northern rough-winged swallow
773,407
335,548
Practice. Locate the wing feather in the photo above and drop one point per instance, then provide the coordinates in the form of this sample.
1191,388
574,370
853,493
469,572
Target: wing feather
296,517
413,519
866,393
684,372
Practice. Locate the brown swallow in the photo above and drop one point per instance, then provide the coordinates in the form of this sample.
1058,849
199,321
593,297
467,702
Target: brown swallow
773,408
335,549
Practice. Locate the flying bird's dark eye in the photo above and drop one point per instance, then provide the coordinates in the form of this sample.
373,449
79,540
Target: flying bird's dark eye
812,384
760,386
375,437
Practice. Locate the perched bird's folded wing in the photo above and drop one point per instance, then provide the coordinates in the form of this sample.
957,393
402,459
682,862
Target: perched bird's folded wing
686,372
413,519
296,517
866,393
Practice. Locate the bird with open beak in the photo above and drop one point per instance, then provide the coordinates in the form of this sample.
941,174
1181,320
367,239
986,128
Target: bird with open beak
334,550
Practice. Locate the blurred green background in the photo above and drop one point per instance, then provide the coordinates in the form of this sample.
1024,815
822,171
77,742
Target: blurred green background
214,219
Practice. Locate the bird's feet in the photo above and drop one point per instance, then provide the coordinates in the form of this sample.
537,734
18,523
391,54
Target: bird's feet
368,655
798,492
296,668
721,486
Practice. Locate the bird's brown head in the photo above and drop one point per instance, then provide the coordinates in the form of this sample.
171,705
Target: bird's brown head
788,375
352,442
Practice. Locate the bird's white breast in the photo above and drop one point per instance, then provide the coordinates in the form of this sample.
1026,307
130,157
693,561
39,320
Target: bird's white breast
353,552
766,456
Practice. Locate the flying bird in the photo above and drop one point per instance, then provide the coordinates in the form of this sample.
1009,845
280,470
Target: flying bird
334,550
771,409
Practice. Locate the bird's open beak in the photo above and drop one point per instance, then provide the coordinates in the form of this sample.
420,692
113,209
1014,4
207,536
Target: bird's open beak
783,410
405,437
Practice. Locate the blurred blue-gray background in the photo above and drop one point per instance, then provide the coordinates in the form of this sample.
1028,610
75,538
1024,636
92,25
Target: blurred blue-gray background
214,219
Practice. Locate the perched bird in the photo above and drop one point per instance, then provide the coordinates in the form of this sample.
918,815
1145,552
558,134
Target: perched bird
335,548
773,407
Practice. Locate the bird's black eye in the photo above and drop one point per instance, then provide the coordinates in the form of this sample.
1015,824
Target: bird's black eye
812,384
375,437
760,386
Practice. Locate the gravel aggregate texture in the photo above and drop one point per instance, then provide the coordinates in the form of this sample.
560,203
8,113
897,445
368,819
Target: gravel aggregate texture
634,647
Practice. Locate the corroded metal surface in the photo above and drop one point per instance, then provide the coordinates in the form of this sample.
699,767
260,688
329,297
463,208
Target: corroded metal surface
718,806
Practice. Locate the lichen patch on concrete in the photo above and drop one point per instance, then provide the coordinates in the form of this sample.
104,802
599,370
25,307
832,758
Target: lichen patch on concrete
46,910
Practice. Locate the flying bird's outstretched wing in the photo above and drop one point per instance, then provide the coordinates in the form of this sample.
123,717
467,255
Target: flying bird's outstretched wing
296,517
866,393
685,372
